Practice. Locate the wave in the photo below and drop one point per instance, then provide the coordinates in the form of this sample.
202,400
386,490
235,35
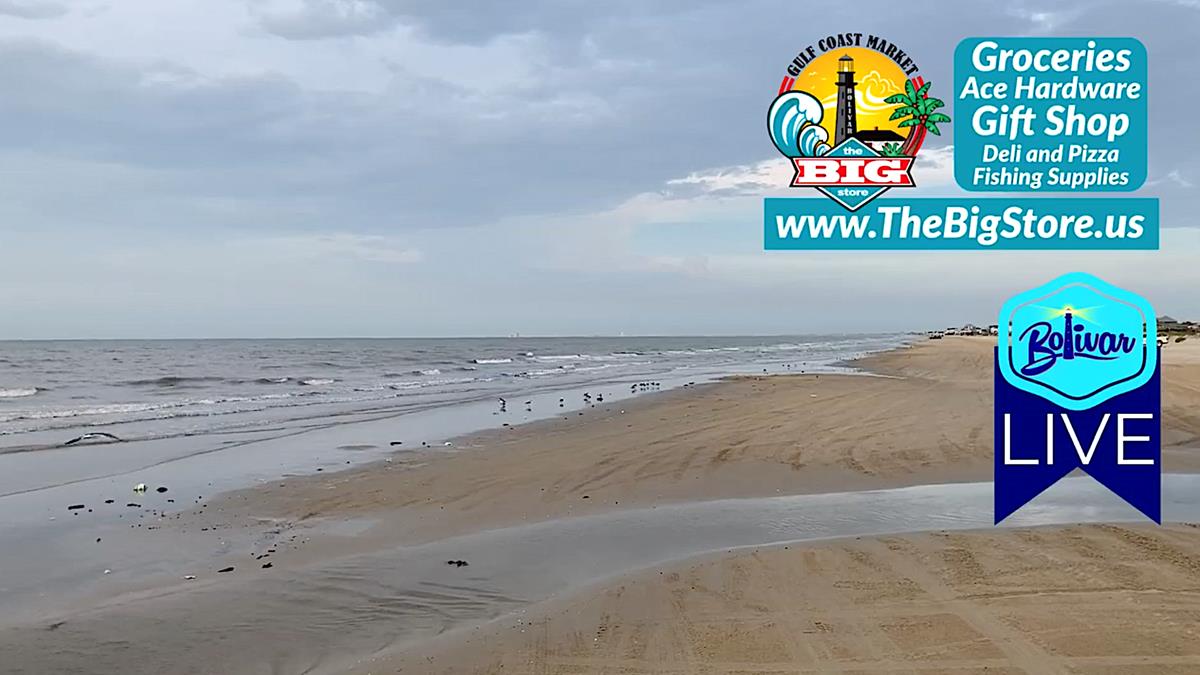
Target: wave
785,347
214,406
326,364
174,380
543,373
128,408
273,380
447,373
606,366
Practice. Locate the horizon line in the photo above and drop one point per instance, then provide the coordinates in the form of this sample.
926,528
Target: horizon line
461,337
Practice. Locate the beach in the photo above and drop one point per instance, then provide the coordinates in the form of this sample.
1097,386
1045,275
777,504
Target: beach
371,337
923,415
783,523
1086,598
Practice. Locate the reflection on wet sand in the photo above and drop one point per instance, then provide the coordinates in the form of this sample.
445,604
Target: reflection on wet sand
329,617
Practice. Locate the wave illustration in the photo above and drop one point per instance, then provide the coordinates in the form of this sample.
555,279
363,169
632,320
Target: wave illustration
794,121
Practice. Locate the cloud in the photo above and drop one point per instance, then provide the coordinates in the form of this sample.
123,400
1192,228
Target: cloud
291,167
1044,21
317,19
532,109
934,168
1172,177
33,9
744,180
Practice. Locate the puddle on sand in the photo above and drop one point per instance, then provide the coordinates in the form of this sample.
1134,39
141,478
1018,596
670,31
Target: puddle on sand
322,619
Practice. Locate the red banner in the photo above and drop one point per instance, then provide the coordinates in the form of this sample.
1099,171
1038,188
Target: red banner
865,171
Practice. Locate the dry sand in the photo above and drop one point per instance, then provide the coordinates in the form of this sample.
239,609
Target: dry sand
1082,599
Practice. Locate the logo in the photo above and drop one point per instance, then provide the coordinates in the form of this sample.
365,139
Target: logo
863,92
1077,341
1077,387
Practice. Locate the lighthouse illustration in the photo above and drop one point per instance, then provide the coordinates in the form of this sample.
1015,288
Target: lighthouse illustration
1068,335
845,124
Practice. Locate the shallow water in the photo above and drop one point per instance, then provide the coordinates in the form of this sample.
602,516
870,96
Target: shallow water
323,618
51,391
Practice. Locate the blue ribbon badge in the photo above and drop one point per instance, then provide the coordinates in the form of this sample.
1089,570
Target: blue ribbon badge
1077,387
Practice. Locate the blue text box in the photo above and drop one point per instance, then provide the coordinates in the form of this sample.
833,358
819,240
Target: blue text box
973,223
1050,114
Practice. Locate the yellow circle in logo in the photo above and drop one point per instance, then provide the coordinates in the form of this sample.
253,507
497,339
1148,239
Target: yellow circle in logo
875,76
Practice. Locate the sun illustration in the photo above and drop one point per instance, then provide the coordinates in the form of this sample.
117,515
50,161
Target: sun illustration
877,76
1084,313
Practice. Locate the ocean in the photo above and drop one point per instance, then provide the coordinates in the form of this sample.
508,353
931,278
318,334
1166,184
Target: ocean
53,391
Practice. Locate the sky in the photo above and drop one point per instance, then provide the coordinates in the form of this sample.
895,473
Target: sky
286,168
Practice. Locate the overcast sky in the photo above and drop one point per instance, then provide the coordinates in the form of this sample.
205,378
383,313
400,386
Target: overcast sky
213,168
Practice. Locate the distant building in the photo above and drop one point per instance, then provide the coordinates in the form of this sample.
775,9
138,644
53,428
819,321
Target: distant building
876,138
1167,324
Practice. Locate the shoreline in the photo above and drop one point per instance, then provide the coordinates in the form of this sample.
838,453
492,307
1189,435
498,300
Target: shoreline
898,390
534,472
382,486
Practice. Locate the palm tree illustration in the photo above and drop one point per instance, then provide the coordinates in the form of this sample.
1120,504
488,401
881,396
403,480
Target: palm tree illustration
892,150
919,107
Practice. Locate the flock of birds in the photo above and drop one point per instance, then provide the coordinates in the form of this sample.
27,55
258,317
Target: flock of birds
588,399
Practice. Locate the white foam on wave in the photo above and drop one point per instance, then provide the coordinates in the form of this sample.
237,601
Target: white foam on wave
19,392
543,372
490,361
785,347
130,408
606,366
316,381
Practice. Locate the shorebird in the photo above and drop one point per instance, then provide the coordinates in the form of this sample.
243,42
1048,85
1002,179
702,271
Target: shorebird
91,437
